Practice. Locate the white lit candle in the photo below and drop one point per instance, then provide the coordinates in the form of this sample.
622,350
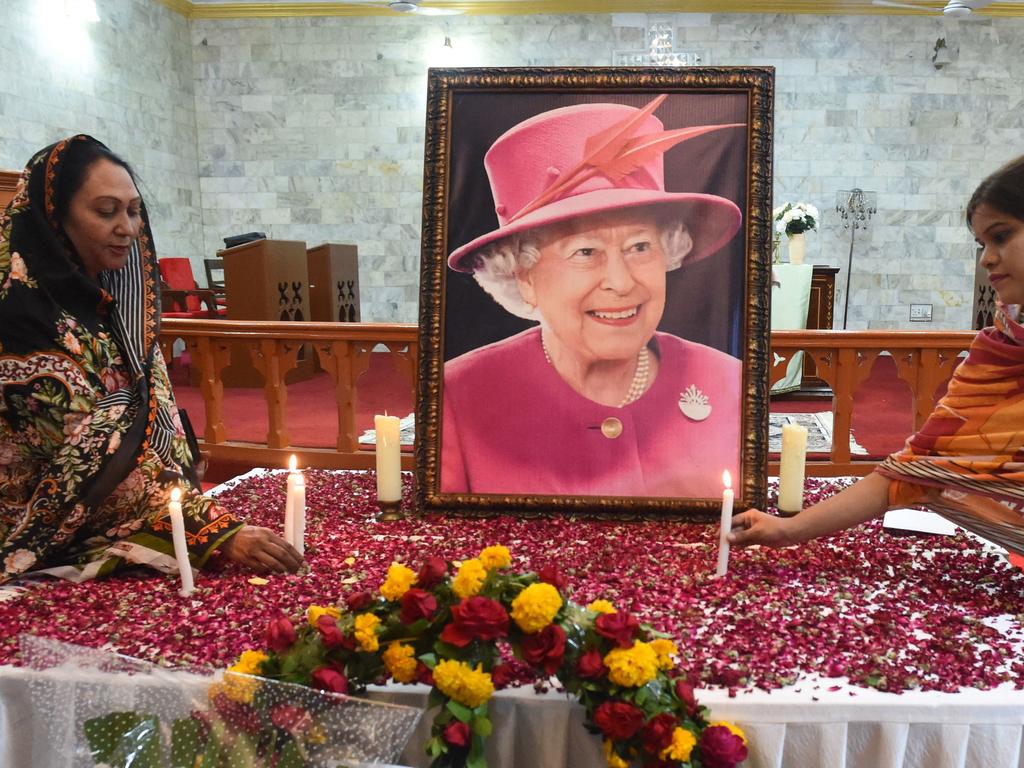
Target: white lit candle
299,511
290,499
180,547
726,525
389,458
791,468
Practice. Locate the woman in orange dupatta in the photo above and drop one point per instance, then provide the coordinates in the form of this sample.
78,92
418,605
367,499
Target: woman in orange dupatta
967,461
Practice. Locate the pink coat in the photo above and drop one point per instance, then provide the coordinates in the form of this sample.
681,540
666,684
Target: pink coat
511,425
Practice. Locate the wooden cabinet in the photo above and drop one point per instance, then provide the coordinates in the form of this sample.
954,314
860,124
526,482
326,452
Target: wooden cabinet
8,183
819,316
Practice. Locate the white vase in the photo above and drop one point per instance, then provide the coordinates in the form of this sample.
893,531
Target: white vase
797,249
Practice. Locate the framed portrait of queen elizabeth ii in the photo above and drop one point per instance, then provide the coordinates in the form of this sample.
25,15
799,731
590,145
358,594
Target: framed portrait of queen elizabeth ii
594,290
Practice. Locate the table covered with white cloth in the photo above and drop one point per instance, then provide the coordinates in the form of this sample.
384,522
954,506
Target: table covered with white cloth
816,721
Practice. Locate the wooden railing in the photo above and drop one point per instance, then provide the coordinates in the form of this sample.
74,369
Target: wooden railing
843,359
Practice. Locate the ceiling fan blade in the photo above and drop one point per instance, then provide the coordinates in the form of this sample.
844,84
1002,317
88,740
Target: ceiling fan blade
907,6
428,10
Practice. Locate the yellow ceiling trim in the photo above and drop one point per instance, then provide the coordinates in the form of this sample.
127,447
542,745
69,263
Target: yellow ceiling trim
524,7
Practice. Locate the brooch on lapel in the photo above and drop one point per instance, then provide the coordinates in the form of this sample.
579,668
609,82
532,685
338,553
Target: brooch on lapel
694,404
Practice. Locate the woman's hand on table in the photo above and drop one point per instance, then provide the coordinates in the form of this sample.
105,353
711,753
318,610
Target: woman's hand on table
755,527
262,550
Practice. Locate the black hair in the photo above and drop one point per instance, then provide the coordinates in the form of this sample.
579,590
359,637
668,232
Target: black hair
80,156
1003,190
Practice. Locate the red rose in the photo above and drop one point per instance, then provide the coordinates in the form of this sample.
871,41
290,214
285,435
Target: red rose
684,692
550,574
476,618
280,634
424,674
329,679
417,604
618,719
236,714
431,572
358,601
331,636
502,675
619,627
289,718
545,649
721,748
657,734
591,665
456,734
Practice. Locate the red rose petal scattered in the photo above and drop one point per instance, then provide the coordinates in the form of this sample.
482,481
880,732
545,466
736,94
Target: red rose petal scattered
893,613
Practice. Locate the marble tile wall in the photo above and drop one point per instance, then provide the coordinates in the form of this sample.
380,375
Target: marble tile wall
127,80
312,128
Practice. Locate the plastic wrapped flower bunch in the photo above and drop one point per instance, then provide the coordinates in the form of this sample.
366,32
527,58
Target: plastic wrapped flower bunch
458,632
795,218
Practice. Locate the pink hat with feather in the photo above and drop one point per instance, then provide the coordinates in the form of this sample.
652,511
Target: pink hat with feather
589,158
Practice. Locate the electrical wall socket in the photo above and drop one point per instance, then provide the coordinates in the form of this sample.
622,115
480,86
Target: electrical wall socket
921,313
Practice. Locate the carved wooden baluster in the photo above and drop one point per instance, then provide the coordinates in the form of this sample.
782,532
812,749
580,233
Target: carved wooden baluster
933,368
908,368
336,359
779,365
211,357
273,359
404,358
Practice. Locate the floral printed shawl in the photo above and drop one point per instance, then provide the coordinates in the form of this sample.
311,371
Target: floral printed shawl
90,438
967,460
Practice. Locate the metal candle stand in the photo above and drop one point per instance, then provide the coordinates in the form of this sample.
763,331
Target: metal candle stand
856,207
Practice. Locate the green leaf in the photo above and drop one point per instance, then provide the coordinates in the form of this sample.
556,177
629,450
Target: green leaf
476,758
482,727
291,756
186,745
104,734
429,660
464,714
124,739
435,747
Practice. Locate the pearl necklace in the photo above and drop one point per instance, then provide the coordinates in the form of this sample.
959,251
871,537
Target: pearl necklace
641,375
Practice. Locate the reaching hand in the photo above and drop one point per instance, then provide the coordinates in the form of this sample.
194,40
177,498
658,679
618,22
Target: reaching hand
262,550
755,527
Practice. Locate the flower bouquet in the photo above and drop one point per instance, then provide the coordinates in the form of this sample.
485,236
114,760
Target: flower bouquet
795,218
485,627
112,711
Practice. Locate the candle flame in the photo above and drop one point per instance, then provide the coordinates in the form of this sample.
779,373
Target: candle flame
726,479
176,494
293,463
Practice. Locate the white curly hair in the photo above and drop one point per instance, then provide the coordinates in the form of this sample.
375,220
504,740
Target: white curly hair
496,265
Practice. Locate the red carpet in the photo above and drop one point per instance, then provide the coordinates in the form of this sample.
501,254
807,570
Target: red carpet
882,416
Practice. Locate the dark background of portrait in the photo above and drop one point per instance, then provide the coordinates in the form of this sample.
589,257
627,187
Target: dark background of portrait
704,301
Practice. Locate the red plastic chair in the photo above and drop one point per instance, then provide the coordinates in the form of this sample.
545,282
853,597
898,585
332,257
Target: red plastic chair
181,297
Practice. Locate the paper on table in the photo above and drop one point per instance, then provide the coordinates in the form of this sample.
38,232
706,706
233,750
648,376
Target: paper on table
918,520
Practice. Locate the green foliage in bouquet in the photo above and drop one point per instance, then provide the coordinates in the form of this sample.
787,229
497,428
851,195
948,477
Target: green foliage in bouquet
458,633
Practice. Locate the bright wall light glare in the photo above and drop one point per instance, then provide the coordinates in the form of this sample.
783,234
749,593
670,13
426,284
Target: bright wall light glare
62,34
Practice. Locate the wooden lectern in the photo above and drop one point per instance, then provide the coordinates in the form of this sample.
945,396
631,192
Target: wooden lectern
266,280
334,283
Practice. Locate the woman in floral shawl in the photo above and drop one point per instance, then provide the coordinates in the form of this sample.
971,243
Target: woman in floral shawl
91,442
966,461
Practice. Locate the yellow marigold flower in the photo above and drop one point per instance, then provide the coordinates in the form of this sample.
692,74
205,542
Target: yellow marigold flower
614,761
237,687
470,687
496,557
400,659
682,745
632,667
398,581
734,728
469,579
536,607
366,632
665,649
249,663
601,606
314,612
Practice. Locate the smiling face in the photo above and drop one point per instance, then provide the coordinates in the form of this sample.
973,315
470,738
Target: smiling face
1002,238
104,217
599,286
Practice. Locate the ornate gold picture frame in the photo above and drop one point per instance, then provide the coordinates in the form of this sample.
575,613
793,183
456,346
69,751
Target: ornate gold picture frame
595,285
